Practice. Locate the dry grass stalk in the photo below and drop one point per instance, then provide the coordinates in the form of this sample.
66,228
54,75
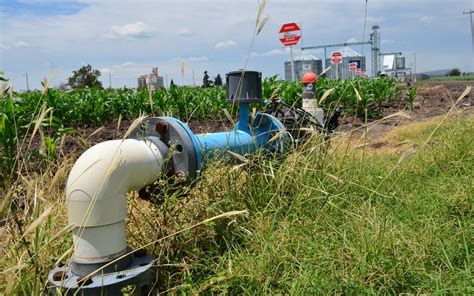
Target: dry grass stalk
325,95
39,120
96,131
35,224
119,121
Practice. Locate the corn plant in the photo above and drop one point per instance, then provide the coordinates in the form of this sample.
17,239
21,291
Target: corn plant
411,95
8,137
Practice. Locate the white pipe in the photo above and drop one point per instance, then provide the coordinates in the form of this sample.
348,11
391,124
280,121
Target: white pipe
95,192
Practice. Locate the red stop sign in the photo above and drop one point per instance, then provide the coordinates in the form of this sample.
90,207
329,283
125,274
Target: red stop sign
290,34
336,57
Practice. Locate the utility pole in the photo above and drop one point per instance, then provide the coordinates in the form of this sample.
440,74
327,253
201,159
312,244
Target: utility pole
414,66
470,12
27,82
110,80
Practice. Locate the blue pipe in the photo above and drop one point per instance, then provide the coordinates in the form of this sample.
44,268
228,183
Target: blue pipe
244,115
246,137
238,140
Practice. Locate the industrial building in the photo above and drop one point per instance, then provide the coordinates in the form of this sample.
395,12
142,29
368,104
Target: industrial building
348,56
394,66
396,69
303,63
152,79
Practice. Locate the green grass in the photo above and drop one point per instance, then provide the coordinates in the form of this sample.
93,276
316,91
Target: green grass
314,233
451,78
320,222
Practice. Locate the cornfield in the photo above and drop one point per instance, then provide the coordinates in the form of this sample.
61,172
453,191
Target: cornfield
61,112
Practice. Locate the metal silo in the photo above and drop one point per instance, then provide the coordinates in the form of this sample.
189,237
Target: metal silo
303,63
348,56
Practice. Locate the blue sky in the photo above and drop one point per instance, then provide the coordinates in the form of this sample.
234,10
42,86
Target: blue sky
128,38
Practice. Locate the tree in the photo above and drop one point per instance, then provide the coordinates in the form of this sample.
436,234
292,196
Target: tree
454,72
205,81
63,86
218,80
85,77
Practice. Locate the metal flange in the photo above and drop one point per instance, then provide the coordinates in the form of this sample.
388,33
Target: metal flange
136,276
174,134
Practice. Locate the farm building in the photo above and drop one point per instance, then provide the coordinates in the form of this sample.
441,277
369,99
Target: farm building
303,63
348,56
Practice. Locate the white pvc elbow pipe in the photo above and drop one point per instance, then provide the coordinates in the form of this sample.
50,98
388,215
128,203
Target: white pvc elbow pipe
95,192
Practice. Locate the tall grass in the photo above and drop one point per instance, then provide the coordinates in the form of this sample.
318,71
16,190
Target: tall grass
318,222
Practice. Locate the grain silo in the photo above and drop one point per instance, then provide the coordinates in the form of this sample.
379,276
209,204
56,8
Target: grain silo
141,81
348,56
303,63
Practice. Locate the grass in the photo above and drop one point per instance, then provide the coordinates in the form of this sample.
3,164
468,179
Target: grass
320,222
451,78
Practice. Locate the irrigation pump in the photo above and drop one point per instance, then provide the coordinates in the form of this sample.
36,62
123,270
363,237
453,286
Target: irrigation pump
102,262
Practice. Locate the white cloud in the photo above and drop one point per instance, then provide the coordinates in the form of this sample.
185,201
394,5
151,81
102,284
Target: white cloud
186,32
134,30
198,59
191,59
426,19
20,44
226,44
270,53
105,70
373,19
126,64
352,39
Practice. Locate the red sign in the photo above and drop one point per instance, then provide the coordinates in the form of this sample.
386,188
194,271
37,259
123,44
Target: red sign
290,34
353,67
336,57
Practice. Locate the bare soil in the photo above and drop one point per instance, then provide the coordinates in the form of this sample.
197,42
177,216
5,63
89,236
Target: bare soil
433,99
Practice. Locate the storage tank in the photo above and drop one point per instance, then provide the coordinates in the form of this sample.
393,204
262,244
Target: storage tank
348,56
303,63
141,81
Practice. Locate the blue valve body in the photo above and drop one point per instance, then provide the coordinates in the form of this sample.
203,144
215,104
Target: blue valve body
265,131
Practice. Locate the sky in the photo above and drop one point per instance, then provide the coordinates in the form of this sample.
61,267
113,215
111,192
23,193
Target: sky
125,39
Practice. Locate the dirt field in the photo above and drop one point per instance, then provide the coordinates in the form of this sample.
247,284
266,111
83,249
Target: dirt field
433,99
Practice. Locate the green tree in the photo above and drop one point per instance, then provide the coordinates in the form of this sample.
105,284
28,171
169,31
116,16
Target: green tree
85,77
454,72
205,81
218,80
